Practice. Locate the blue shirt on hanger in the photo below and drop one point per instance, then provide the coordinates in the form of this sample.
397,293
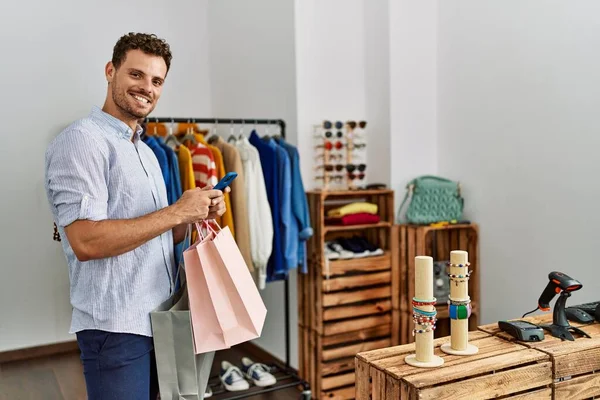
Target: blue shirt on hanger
161,156
269,164
299,204
289,225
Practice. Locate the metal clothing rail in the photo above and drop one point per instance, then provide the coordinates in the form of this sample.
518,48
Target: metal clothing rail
285,368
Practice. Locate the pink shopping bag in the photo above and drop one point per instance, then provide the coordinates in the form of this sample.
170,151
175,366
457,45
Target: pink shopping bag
225,305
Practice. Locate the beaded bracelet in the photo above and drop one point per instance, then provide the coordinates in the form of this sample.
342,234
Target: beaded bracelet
425,313
428,329
459,302
454,276
417,302
458,265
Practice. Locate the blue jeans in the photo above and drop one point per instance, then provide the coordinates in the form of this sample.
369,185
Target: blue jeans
118,365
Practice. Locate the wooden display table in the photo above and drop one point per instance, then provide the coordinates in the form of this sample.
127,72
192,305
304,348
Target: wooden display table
501,368
575,364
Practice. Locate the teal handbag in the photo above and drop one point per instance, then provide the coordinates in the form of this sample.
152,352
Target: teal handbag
432,199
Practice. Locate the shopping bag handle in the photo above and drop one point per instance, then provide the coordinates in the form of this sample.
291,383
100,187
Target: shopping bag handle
207,224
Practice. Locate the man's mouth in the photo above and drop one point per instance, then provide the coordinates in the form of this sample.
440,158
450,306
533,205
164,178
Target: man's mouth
141,99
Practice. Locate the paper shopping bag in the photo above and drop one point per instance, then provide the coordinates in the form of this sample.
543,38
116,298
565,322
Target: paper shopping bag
225,304
182,374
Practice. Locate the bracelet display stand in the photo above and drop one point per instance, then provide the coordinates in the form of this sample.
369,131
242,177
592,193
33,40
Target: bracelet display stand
459,305
424,316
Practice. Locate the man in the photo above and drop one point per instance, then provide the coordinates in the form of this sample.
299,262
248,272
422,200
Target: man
109,201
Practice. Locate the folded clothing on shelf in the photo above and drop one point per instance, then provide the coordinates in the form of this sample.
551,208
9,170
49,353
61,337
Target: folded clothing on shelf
353,219
347,248
353,208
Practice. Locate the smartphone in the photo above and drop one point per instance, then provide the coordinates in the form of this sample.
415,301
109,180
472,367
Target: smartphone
226,181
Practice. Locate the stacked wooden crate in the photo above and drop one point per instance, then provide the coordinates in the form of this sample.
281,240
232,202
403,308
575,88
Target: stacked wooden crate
501,369
436,241
575,364
346,306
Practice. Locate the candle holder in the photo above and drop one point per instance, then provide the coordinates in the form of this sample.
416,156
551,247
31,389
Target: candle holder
424,316
459,305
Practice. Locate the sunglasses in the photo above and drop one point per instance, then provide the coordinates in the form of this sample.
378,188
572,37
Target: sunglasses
357,145
328,124
337,178
353,124
353,167
353,176
331,167
331,156
330,145
329,134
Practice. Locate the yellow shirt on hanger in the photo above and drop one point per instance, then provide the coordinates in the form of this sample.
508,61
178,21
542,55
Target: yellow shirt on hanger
186,170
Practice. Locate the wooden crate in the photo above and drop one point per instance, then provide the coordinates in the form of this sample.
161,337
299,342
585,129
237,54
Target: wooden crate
346,306
500,369
575,364
436,242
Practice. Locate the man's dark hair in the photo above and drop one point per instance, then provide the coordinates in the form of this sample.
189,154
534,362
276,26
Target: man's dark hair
148,43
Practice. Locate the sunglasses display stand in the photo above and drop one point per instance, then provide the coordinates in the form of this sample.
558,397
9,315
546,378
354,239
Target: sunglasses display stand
336,170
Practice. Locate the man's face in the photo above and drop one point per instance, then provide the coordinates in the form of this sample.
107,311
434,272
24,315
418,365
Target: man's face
137,84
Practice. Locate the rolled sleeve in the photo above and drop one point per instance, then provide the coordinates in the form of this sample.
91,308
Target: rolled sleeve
76,178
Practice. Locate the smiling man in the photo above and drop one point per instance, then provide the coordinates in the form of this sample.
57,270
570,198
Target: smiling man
109,202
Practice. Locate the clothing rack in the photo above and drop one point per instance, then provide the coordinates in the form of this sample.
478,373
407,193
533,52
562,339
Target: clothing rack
306,393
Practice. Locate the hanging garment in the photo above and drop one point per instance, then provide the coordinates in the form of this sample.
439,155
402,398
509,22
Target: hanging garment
174,188
239,208
227,218
161,156
203,161
289,225
269,164
260,219
186,168
299,204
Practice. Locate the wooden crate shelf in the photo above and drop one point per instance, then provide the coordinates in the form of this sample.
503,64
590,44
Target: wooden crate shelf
500,369
436,242
346,306
575,364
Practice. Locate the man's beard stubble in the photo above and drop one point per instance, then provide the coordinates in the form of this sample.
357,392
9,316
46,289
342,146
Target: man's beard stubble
120,98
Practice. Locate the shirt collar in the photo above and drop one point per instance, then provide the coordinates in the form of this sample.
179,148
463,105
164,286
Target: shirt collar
115,125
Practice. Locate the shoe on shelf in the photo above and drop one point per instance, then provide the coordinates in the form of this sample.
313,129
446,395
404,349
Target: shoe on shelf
232,378
330,254
356,248
258,373
372,249
208,392
344,254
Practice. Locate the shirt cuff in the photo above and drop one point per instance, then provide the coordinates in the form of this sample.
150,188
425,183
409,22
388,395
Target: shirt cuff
305,233
87,209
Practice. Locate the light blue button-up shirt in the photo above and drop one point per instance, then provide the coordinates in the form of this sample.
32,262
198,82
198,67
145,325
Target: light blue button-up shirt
94,171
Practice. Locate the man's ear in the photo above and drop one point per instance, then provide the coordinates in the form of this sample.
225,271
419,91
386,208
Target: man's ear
109,71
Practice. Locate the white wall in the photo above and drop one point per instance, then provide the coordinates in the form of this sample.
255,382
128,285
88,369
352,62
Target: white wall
54,55
518,110
330,69
252,69
413,91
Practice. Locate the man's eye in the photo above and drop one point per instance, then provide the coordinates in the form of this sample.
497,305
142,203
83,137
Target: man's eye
135,75
157,83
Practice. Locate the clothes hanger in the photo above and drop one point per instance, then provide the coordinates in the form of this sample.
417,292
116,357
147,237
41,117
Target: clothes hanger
212,133
171,137
190,134
231,137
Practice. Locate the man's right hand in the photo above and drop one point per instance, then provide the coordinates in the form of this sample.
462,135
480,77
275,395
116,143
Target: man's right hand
194,205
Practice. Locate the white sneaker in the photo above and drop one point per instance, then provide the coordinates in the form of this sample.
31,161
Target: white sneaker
330,254
232,378
208,392
344,254
258,373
